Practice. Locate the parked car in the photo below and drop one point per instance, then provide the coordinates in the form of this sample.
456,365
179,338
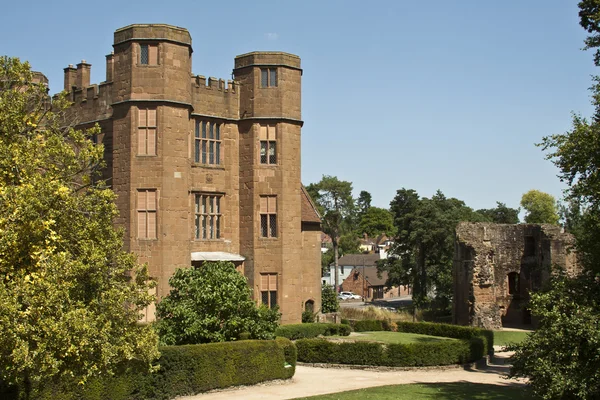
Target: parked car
349,296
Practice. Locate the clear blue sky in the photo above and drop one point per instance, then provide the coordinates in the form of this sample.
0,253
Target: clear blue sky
448,95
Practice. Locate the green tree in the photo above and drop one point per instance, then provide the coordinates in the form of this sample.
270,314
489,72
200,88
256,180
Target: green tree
501,214
423,251
212,303
541,208
376,221
363,203
71,298
329,300
589,19
336,206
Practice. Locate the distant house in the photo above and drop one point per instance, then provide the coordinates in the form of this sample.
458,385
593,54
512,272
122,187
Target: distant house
379,245
367,282
346,264
326,243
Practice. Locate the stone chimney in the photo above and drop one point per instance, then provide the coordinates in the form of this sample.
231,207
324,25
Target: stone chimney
70,77
110,61
83,74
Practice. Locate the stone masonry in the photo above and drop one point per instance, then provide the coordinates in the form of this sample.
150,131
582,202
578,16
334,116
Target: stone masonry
497,266
206,169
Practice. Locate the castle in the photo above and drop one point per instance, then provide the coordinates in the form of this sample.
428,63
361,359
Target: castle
206,169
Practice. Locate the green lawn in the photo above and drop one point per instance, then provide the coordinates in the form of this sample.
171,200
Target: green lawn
393,337
503,338
438,391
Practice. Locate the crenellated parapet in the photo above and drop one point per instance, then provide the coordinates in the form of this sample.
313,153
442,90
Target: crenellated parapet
215,97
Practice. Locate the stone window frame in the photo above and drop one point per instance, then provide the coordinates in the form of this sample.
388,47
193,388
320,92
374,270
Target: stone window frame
267,149
268,217
268,289
147,214
148,54
147,131
207,148
208,216
269,77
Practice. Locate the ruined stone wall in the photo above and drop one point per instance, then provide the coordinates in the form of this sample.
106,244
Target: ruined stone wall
497,266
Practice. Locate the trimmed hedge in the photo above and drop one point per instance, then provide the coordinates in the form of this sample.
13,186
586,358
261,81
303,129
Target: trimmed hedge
445,352
306,331
447,330
186,370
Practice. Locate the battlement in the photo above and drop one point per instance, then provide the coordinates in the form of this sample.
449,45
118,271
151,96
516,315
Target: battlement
200,81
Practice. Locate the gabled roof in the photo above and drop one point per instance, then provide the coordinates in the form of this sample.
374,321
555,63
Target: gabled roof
358,260
372,277
309,210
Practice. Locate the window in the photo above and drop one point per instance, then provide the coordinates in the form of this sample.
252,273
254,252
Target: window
146,210
148,54
207,143
147,132
268,289
207,210
268,77
268,144
268,216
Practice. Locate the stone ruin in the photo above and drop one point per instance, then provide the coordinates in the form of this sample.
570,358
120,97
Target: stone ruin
497,266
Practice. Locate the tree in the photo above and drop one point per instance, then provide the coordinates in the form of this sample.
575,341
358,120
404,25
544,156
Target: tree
329,300
71,298
363,203
589,19
541,208
212,303
423,251
501,214
377,221
560,358
336,205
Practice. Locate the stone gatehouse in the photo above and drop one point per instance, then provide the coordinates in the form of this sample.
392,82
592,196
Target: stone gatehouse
206,169
497,266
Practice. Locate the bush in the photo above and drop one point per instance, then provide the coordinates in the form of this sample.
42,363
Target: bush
329,300
303,331
445,352
368,325
185,370
308,317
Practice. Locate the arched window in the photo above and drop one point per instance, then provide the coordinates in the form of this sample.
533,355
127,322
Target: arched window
309,306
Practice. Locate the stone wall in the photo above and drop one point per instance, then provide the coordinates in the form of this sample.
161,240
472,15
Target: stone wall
497,266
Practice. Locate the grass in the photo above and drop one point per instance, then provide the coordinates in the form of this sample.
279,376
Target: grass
503,338
392,337
374,313
438,391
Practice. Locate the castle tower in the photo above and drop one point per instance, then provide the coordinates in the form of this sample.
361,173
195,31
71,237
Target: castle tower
151,103
270,183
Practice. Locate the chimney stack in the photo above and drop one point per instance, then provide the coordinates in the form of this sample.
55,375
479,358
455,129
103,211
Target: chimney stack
110,61
70,77
83,74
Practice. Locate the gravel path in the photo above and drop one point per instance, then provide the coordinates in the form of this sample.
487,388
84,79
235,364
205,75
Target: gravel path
311,381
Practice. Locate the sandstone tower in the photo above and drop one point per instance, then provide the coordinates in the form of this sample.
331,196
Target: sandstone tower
206,169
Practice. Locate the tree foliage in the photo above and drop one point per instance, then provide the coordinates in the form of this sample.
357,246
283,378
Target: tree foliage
424,245
560,357
212,303
329,300
336,206
377,221
589,19
363,203
541,208
501,214
70,296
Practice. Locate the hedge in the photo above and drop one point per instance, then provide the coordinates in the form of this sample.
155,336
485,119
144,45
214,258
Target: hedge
185,370
445,352
447,330
311,330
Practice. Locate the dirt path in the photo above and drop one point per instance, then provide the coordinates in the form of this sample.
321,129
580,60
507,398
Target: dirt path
311,381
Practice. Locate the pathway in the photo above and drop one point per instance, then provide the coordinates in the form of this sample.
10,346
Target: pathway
311,381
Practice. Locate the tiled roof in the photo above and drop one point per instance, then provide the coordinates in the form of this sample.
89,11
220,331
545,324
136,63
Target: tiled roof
309,211
372,276
357,260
